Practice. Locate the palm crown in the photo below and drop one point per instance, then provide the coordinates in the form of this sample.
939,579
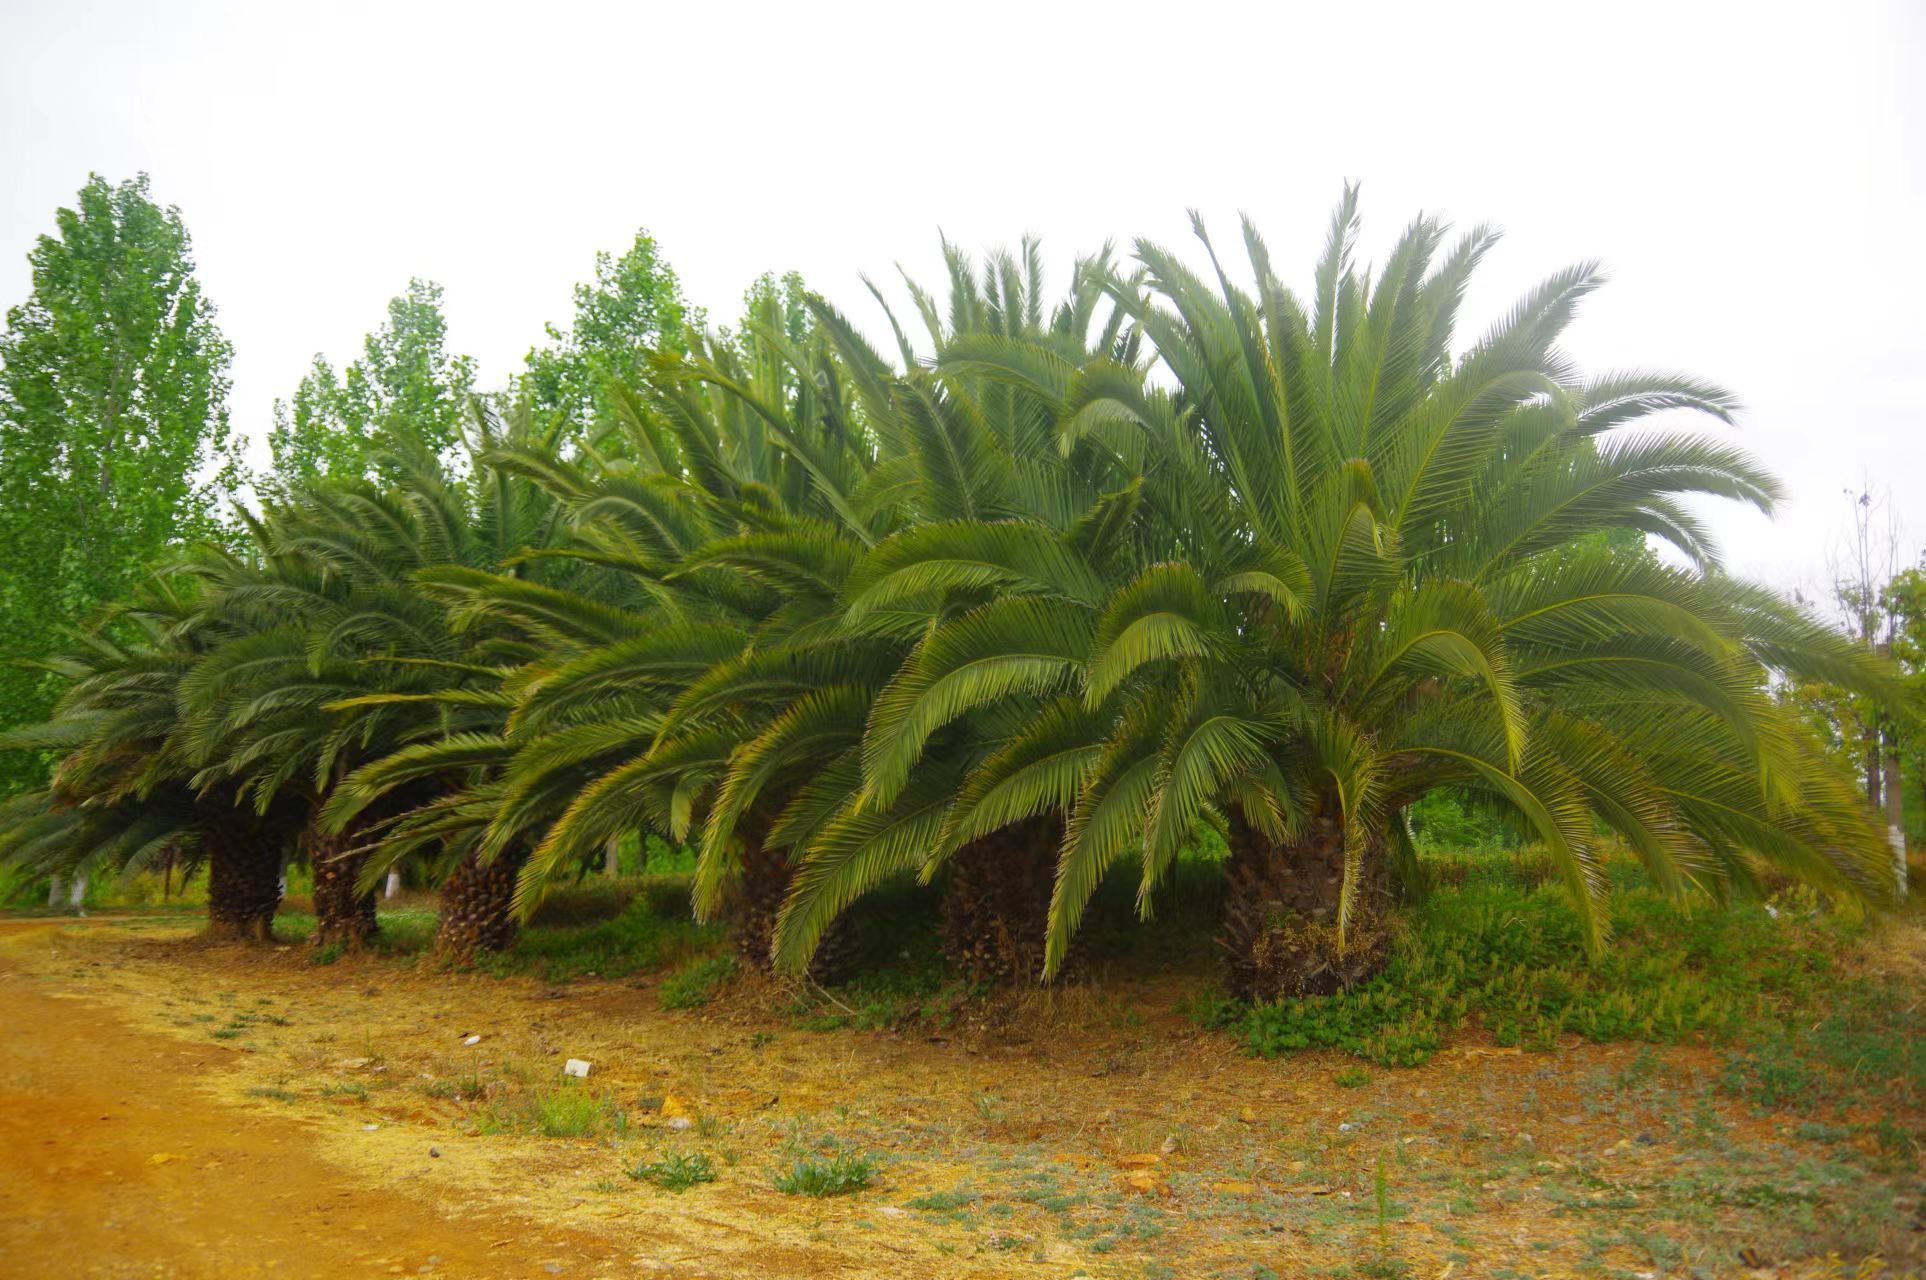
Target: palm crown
1350,566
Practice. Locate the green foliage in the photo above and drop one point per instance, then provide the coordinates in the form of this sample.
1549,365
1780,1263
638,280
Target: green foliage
838,1175
565,1110
654,930
1862,1046
1449,818
1176,575
942,1201
632,308
891,995
405,385
675,1171
404,931
696,983
1505,955
114,439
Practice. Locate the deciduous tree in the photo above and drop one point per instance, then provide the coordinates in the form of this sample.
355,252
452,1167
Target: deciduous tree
114,439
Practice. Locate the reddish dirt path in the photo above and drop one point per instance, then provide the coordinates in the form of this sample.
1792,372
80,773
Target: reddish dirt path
113,1164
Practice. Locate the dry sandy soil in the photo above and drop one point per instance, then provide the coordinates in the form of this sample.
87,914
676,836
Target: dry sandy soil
173,1109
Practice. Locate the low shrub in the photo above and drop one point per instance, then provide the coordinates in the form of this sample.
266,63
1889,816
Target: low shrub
563,1110
1509,955
676,1171
838,1175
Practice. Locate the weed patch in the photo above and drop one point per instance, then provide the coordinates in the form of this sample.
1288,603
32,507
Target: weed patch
696,983
676,1171
1511,958
839,1175
654,930
564,1110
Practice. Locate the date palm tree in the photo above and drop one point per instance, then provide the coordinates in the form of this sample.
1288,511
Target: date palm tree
121,797
1362,565
414,685
1003,508
751,491
321,612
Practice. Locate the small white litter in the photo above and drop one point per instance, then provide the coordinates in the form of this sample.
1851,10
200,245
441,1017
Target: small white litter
576,1067
369,1128
472,1040
679,1123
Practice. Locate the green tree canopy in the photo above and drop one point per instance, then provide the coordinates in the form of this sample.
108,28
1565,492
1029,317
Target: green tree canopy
114,439
634,306
405,383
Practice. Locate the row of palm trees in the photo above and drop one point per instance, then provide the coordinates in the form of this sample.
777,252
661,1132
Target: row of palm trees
1019,615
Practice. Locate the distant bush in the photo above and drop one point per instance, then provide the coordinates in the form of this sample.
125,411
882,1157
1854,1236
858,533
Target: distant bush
1448,818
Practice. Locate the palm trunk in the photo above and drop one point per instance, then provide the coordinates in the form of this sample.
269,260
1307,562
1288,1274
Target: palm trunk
477,902
612,857
1281,916
343,916
997,903
757,903
243,883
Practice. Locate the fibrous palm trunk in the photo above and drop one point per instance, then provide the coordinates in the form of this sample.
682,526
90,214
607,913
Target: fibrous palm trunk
343,916
1281,917
997,903
757,902
477,907
243,883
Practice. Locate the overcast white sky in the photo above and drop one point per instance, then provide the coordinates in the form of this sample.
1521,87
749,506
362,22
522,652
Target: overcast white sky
1753,174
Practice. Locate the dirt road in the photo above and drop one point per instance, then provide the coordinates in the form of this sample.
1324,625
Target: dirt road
178,1110
113,1163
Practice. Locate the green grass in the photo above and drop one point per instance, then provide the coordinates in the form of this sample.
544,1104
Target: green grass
696,983
463,1088
839,1175
1865,1044
1507,954
676,1171
564,1110
654,930
404,931
942,1201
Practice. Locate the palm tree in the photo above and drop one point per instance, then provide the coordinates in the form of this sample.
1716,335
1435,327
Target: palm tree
746,493
1005,511
1361,566
413,680
121,796
328,657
